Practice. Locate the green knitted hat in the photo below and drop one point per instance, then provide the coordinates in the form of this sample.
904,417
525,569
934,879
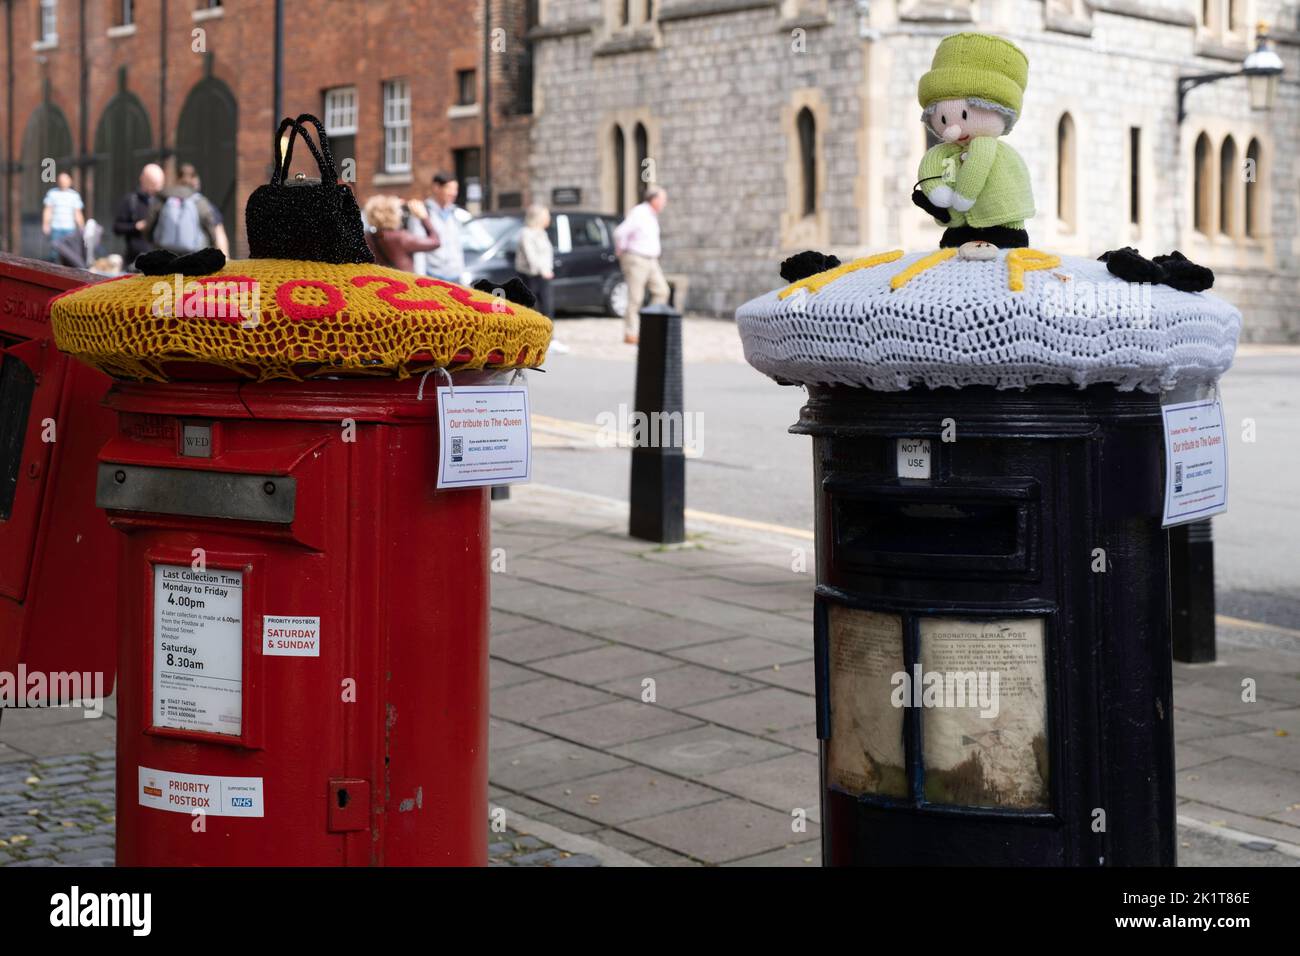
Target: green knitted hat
976,66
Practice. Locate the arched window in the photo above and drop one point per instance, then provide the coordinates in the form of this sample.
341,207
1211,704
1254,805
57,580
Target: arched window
1228,187
641,143
618,155
1065,172
1202,177
1254,191
807,126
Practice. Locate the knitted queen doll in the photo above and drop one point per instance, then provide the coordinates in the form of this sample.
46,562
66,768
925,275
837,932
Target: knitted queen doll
972,182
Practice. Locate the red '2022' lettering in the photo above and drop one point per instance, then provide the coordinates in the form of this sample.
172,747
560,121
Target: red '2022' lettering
463,296
305,311
224,298
392,288
390,291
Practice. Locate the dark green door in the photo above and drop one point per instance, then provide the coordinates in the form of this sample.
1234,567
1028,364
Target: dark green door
205,136
47,137
123,144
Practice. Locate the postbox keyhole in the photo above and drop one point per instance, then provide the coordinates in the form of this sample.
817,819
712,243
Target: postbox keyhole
343,797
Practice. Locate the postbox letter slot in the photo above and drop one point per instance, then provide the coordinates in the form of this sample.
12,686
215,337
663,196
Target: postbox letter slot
204,494
893,527
17,384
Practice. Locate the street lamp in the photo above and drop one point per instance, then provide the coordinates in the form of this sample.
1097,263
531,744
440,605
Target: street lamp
1262,67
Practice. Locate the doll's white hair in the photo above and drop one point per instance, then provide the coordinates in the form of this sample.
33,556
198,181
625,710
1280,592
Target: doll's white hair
1008,113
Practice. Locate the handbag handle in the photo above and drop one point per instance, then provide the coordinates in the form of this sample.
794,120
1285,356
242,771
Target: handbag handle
324,159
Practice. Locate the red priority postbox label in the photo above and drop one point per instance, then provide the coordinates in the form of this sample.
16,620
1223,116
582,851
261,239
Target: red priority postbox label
290,636
201,793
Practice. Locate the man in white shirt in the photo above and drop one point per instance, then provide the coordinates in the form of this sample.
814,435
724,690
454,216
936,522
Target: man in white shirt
447,262
62,215
636,242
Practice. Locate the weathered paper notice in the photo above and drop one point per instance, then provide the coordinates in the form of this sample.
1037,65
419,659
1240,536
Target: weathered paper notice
985,739
865,752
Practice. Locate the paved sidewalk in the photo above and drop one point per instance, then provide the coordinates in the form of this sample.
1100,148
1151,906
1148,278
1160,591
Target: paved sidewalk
721,764
654,706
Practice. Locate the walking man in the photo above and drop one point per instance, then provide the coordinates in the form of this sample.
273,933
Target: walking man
134,210
636,242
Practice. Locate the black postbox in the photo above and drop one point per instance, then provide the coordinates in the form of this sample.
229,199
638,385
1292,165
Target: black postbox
992,631
967,536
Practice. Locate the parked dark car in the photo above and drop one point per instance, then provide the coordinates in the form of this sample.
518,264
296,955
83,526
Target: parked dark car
587,275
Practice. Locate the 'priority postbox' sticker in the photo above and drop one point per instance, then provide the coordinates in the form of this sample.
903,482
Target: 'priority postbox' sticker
290,636
201,793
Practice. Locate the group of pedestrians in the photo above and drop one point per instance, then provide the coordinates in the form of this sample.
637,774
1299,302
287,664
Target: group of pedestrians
424,236
419,235
178,218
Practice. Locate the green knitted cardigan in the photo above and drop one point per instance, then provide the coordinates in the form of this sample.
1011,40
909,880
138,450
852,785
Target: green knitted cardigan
993,174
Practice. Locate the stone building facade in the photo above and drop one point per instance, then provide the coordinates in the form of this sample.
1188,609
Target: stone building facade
780,125
399,83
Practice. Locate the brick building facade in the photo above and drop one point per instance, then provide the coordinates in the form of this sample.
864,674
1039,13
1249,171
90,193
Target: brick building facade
398,82
780,125
510,100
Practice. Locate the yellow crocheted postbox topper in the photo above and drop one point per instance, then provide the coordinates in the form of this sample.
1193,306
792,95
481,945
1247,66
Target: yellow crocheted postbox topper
282,318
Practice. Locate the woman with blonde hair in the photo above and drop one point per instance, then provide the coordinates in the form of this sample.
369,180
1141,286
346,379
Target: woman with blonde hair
535,257
392,245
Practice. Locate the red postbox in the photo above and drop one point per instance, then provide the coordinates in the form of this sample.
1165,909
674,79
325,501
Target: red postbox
58,558
304,623
335,710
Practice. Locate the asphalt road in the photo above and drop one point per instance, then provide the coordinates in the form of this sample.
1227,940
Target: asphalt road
751,467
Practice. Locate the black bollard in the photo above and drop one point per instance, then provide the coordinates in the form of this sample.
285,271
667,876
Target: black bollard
1191,591
658,495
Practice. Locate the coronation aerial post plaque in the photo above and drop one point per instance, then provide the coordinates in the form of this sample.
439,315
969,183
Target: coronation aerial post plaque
985,744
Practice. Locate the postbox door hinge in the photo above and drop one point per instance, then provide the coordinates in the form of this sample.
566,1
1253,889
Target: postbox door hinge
349,804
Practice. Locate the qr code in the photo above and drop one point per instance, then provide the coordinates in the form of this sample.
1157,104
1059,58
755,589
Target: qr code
1178,476
458,449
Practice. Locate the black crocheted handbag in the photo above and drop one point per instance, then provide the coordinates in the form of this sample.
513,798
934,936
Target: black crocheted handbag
315,220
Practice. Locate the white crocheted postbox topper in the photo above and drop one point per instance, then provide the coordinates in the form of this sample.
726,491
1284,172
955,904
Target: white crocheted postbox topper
1023,318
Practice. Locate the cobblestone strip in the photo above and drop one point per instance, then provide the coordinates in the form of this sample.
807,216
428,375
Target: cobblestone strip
58,811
